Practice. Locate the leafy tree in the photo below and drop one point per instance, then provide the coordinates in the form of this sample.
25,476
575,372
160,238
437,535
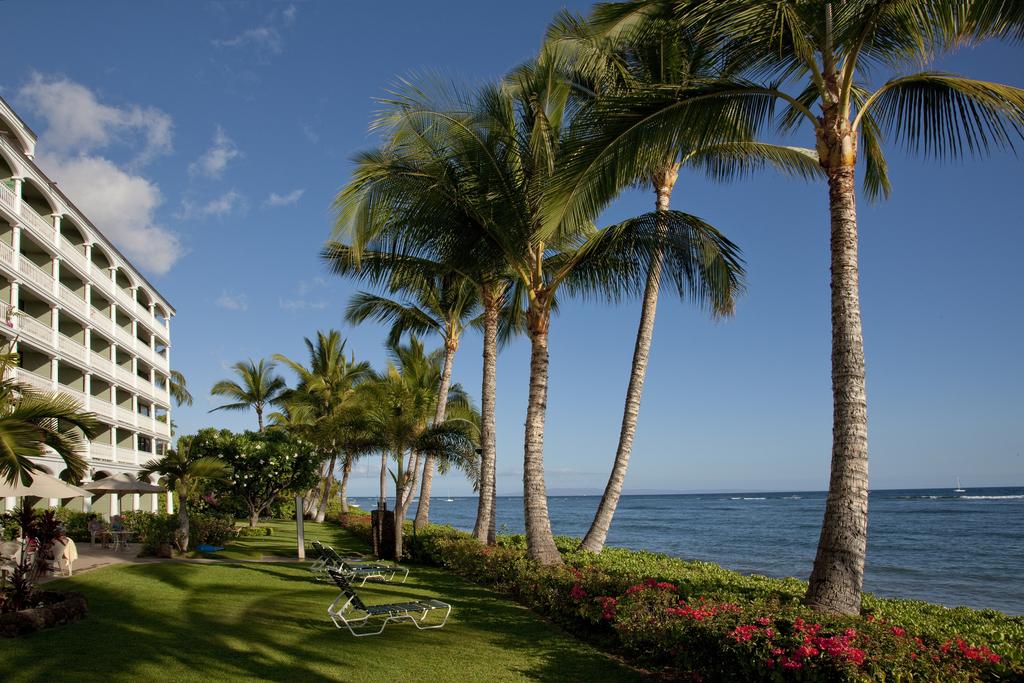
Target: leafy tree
663,56
327,390
179,389
443,304
32,421
821,61
505,143
185,470
263,465
257,388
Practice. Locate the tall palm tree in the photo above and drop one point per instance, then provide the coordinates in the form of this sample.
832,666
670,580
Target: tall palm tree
508,139
32,422
179,389
664,57
814,58
184,474
327,387
258,387
422,191
442,304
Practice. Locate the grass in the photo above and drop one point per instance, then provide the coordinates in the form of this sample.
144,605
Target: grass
227,622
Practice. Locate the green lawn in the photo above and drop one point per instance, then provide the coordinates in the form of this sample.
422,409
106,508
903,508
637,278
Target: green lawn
184,622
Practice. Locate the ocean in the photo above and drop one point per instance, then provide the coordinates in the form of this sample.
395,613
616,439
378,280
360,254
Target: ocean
926,544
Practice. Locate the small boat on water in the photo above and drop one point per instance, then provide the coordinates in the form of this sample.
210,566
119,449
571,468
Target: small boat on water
958,489
352,503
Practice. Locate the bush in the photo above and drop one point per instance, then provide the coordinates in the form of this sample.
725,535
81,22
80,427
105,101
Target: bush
211,529
152,529
76,524
254,531
9,526
697,620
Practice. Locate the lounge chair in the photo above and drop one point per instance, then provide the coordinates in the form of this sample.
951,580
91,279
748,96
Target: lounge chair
360,618
354,569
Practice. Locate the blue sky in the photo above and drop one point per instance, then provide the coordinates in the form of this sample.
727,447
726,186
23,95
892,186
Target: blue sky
208,140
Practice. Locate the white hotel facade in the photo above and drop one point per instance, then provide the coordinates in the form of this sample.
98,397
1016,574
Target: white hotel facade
83,320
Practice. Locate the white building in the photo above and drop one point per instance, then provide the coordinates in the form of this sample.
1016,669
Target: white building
83,320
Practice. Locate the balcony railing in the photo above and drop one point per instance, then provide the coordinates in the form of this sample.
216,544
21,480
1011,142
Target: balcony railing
162,428
7,197
37,224
101,319
126,377
35,381
35,329
7,254
36,275
72,348
73,301
71,254
123,337
73,393
101,407
102,364
125,415
101,451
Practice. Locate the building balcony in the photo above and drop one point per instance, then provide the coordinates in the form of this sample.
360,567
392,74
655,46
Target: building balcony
6,252
35,330
102,452
73,302
125,377
37,225
73,349
125,415
8,198
70,254
36,275
101,407
37,382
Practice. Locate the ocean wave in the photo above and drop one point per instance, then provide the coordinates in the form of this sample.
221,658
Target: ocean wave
991,497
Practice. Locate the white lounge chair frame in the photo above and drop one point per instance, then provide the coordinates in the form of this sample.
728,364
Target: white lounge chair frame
353,569
347,614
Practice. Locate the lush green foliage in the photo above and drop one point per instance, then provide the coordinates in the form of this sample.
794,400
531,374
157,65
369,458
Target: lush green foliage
696,617
255,531
265,465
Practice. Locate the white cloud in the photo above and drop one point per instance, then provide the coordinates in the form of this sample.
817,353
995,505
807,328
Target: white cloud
218,207
122,205
263,38
77,122
214,160
232,302
310,134
295,305
292,197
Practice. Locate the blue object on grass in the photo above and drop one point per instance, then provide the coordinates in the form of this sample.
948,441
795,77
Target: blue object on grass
207,548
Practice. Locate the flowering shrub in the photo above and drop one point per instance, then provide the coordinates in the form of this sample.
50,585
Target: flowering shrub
702,622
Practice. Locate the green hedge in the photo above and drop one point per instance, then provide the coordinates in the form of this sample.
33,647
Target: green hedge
254,531
697,620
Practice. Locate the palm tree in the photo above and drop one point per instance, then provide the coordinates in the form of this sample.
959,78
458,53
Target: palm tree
422,190
823,52
507,141
444,304
667,58
327,388
401,403
258,388
184,474
179,389
32,422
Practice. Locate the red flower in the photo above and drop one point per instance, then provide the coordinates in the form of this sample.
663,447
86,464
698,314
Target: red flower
899,632
577,592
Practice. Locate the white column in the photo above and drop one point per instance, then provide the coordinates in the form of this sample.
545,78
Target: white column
11,502
170,502
17,202
115,505
53,502
136,502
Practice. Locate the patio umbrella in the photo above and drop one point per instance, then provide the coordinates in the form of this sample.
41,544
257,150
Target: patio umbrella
122,483
43,486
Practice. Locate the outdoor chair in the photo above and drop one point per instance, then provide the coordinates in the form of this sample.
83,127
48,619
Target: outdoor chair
354,569
360,619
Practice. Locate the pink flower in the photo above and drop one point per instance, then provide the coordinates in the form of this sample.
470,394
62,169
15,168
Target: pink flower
577,592
898,632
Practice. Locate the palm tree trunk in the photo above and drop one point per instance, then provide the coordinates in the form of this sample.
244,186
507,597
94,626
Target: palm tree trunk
412,474
259,417
423,509
838,574
399,506
321,512
483,530
382,501
540,544
183,527
664,181
346,470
